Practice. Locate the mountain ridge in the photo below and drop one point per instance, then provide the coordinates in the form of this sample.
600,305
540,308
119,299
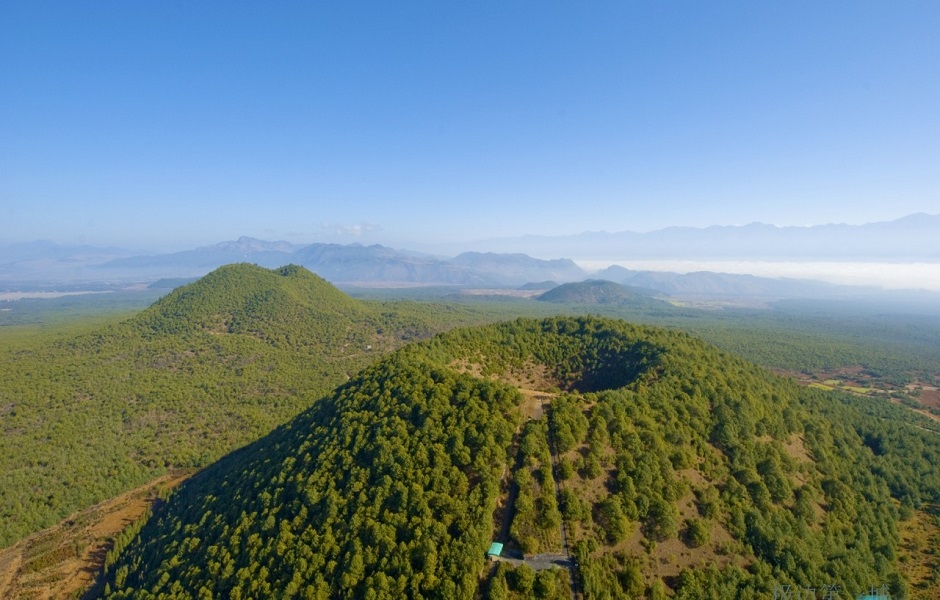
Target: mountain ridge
908,239
926,222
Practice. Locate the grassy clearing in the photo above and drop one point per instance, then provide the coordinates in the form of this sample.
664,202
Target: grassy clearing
919,554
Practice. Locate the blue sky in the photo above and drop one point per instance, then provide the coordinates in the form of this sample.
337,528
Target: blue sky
164,125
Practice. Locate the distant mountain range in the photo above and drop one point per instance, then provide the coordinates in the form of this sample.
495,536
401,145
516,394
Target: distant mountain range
355,263
43,265
351,263
707,284
911,238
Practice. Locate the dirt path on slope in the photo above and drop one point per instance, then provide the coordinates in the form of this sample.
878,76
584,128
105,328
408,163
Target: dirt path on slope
564,559
64,560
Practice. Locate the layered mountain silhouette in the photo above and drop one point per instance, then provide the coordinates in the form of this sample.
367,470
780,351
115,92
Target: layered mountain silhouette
355,263
509,269
911,238
502,262
706,283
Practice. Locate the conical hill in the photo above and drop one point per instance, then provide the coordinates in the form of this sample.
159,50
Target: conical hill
244,298
675,469
210,367
599,291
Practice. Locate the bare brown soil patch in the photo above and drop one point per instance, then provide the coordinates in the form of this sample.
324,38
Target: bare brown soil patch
466,366
855,380
667,559
693,476
847,377
852,377
927,395
64,560
533,402
531,375
796,449
672,556
533,381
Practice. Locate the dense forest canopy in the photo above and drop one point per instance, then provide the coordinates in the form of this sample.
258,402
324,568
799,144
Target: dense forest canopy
646,425
210,367
681,470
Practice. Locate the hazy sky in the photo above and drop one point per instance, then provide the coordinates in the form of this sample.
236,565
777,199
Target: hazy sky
171,124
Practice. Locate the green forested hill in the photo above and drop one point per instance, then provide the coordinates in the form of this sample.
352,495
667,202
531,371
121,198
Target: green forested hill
681,470
243,299
386,486
210,367
598,291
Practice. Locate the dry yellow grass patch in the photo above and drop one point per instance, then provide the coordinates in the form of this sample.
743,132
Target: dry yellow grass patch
919,554
64,560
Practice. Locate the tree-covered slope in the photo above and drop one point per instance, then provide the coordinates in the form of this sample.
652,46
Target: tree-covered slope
387,485
244,299
680,469
210,367
598,291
